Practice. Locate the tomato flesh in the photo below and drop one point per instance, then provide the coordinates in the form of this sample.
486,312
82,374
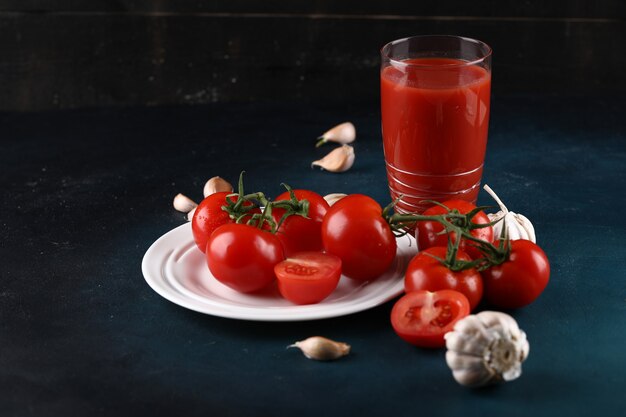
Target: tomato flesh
427,273
422,318
243,257
308,277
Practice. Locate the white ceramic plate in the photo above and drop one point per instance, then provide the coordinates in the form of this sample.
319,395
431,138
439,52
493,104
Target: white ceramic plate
177,271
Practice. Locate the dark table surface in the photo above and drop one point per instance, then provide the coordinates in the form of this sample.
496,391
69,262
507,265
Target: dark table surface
86,192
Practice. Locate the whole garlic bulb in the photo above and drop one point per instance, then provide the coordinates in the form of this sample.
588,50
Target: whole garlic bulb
518,226
486,348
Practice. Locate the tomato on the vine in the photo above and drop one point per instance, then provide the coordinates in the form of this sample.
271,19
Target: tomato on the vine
422,318
210,215
243,257
520,279
298,233
308,277
355,230
428,273
431,233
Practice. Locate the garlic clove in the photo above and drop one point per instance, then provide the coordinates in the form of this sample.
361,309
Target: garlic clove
216,185
183,203
338,160
333,198
322,349
342,133
190,214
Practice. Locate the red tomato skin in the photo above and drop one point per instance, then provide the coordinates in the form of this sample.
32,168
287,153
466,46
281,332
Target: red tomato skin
299,234
427,273
208,217
427,232
520,280
355,231
302,285
410,327
243,257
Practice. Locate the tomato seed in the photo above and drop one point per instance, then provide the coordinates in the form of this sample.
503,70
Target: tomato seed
301,270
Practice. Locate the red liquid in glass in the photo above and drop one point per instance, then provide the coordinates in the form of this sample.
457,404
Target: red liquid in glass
435,118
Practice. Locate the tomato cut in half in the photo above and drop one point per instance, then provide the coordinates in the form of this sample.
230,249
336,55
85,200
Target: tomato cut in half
308,277
422,318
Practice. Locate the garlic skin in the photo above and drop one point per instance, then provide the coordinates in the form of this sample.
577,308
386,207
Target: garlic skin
338,160
517,225
190,214
322,349
216,185
183,203
333,198
342,133
486,348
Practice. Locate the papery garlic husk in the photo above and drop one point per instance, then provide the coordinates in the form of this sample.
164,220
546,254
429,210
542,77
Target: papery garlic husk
183,203
333,198
321,348
216,185
338,160
343,133
517,225
191,213
486,348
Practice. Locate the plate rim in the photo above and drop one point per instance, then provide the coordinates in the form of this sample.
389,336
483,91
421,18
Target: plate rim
249,313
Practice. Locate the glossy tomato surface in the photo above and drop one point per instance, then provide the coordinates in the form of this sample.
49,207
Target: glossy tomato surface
209,215
422,318
427,273
355,231
519,280
308,277
297,233
429,232
243,257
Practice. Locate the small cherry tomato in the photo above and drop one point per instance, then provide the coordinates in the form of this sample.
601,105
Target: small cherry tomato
243,257
422,318
297,233
308,277
520,279
427,273
355,231
430,233
209,215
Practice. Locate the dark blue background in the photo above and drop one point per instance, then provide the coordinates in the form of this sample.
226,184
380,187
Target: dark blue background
84,194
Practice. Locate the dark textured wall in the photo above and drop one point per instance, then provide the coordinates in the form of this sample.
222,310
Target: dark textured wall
71,54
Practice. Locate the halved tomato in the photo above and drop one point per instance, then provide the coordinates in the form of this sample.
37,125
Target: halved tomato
308,277
422,318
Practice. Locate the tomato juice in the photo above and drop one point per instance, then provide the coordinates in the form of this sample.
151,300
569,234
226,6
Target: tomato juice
435,117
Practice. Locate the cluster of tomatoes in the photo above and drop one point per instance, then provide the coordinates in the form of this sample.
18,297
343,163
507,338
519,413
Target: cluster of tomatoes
460,264
305,245
297,239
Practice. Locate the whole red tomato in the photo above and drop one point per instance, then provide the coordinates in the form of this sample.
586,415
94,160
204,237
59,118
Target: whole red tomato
243,257
427,273
422,318
209,215
355,231
429,232
519,280
297,233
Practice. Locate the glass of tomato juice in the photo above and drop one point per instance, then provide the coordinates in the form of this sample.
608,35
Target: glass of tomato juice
435,94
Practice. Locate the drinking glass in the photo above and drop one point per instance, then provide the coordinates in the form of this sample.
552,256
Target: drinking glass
435,93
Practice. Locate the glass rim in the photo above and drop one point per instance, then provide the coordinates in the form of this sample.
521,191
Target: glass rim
386,55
